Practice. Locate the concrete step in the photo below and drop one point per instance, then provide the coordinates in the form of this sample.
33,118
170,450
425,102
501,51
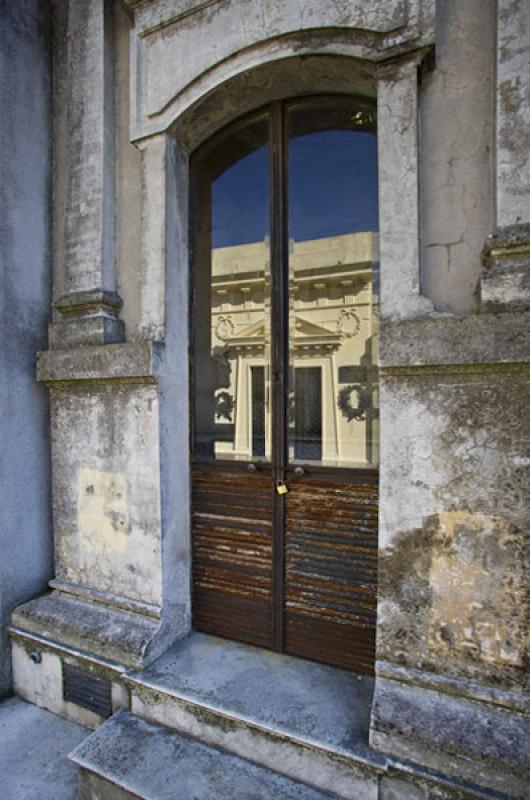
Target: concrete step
128,757
306,721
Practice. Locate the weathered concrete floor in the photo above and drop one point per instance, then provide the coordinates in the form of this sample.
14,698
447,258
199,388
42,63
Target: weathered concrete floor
34,745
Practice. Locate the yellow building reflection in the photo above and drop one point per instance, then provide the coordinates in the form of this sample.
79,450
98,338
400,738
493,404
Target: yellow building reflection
333,312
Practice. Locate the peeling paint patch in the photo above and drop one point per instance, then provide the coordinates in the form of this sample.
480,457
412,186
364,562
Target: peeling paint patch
477,588
102,512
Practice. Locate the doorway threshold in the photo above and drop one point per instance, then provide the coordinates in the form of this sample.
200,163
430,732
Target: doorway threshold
318,706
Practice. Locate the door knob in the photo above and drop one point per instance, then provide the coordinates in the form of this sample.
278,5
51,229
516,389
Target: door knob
252,467
299,471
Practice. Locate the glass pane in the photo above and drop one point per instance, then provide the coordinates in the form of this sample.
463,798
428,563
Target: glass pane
231,308
333,288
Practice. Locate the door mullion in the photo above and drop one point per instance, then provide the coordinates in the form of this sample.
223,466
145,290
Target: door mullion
279,356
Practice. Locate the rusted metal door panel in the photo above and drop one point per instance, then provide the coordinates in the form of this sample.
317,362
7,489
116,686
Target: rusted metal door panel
232,553
331,570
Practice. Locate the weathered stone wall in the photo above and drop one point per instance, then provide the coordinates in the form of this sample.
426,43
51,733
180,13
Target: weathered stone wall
453,612
25,141
454,549
454,552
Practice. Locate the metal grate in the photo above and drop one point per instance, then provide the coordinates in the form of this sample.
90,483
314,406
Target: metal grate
84,689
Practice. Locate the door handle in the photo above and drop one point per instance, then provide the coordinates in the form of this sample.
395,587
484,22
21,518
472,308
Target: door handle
252,467
299,471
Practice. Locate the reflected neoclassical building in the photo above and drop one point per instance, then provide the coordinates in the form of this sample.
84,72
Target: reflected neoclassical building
333,315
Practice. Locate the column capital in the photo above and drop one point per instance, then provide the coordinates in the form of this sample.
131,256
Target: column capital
398,67
87,318
506,255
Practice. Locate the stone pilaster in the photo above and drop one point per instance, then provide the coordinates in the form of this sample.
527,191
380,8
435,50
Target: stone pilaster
506,281
87,310
398,157
154,153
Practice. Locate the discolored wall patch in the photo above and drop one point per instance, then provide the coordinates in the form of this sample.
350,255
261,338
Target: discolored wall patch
479,604
102,512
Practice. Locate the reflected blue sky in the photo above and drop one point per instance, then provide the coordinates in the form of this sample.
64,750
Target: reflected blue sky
332,190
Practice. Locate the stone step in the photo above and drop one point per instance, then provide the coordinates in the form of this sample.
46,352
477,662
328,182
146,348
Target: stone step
128,757
303,720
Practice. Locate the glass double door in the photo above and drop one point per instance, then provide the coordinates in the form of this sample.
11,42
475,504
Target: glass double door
284,381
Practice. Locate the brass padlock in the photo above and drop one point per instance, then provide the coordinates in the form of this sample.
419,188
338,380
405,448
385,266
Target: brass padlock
281,488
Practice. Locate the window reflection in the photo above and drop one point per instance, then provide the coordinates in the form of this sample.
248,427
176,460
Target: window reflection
333,416
231,320
333,304
333,376
333,300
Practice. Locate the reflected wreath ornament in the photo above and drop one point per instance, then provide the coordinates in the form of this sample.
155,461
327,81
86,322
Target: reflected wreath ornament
224,405
350,411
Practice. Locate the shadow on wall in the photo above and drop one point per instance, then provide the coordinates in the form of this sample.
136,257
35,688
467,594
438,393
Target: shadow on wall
25,139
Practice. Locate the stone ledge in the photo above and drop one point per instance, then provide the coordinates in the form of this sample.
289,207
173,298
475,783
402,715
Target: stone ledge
106,598
508,248
130,362
148,761
477,339
105,632
470,741
95,664
454,686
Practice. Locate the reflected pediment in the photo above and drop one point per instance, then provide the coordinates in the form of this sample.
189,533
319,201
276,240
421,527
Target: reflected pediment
307,335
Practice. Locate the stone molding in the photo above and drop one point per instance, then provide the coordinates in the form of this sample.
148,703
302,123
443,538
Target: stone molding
442,340
105,632
87,318
163,85
506,256
382,16
458,687
508,248
127,362
89,303
34,641
106,598
484,744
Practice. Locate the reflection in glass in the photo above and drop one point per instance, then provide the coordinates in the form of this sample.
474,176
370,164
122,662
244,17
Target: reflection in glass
333,305
332,287
258,410
231,319
307,433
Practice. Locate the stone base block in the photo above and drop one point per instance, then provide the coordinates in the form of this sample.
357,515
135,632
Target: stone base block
126,638
38,678
483,743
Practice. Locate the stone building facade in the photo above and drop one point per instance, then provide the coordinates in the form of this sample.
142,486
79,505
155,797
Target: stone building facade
137,86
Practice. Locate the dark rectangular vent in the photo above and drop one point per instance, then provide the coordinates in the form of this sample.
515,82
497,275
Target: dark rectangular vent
84,689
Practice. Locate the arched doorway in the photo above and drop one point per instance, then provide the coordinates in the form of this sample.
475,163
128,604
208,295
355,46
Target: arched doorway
284,380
